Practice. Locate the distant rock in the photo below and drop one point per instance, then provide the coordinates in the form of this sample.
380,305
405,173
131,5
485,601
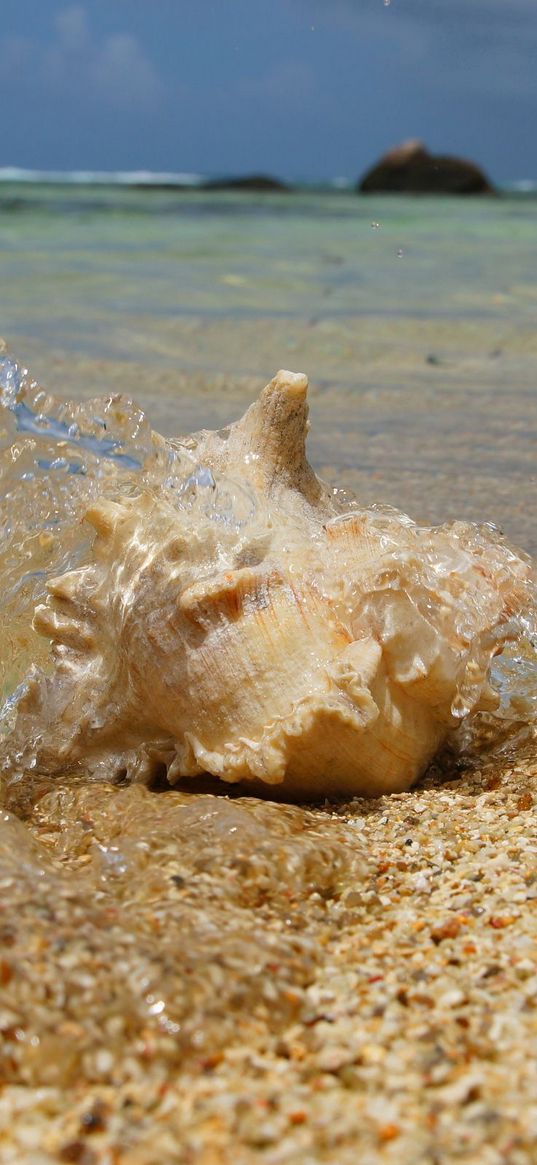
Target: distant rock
246,182
411,169
174,187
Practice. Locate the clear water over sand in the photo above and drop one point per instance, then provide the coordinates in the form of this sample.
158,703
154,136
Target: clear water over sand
417,333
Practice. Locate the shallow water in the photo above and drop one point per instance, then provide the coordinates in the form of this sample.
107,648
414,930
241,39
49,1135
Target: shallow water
152,938
417,333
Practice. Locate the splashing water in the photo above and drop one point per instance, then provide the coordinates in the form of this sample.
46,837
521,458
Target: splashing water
56,457
513,671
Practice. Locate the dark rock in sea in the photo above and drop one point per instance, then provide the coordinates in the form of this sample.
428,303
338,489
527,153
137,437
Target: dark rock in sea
411,169
174,187
246,182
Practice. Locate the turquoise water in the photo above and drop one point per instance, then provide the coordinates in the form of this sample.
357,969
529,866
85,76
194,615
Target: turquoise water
413,317
84,257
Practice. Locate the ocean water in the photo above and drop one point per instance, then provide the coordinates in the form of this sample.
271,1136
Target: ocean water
167,956
414,319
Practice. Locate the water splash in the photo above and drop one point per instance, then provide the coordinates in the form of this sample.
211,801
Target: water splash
56,457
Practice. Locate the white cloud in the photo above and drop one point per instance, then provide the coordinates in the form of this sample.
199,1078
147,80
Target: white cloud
72,27
77,65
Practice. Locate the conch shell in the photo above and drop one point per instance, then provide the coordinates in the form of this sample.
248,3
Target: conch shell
320,647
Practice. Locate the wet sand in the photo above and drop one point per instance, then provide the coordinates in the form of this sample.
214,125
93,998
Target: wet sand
204,979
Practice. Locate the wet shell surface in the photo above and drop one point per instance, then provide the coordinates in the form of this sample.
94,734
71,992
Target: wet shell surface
319,646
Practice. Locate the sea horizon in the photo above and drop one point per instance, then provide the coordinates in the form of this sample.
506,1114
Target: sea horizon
204,180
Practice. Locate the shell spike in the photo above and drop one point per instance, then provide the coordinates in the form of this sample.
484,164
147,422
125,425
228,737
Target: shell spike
274,430
62,629
105,515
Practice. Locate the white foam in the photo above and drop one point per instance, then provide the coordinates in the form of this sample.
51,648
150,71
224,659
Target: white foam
100,177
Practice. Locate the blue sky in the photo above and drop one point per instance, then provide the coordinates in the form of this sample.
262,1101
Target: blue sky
297,88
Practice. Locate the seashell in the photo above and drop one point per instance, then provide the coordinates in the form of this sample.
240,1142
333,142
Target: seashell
322,649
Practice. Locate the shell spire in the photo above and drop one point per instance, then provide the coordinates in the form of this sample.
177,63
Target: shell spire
270,440
274,430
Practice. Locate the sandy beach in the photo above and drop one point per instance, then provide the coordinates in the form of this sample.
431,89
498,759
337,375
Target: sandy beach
203,979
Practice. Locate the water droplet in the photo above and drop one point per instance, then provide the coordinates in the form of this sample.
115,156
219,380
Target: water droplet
157,1008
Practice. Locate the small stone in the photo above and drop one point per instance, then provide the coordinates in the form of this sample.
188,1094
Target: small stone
77,1153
